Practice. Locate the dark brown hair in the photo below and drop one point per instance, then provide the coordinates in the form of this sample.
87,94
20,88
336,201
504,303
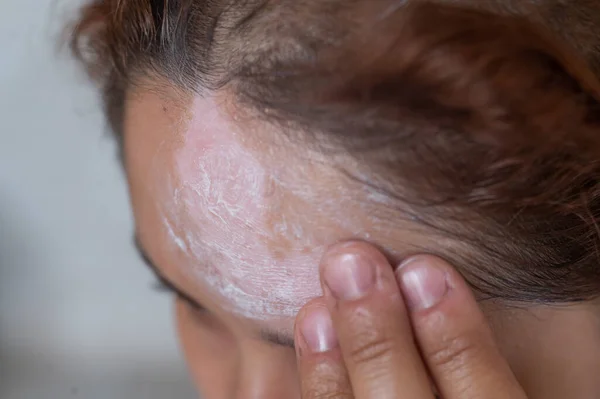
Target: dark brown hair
480,123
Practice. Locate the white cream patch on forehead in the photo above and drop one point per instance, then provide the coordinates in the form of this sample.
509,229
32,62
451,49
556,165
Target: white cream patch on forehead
218,210
254,234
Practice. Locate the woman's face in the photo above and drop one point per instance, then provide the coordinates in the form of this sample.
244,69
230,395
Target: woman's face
237,223
236,219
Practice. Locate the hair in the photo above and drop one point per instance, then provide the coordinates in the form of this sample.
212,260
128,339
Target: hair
483,122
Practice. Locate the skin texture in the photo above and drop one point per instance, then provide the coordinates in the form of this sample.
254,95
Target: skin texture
210,195
232,211
245,227
417,331
376,340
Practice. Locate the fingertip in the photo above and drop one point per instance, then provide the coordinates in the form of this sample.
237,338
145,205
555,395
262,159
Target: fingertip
355,248
453,335
436,294
350,271
314,331
424,281
320,364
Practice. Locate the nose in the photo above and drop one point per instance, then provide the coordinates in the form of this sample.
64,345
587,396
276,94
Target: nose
267,372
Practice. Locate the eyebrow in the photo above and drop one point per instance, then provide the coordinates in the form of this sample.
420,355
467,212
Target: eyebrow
270,336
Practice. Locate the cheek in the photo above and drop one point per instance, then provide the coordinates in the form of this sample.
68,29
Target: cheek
210,352
223,367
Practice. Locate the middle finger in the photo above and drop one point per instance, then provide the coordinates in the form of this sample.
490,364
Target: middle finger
372,324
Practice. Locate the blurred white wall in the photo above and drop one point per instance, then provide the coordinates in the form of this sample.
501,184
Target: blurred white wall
78,317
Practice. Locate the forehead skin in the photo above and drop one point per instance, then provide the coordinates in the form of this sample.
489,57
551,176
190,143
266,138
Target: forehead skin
232,211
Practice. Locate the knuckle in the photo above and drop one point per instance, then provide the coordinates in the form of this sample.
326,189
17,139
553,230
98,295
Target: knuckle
453,352
318,393
370,349
325,380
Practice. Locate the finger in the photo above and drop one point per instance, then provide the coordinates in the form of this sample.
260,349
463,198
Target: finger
320,364
453,335
372,324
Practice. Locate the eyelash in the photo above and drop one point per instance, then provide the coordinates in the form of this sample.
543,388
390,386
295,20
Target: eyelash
163,286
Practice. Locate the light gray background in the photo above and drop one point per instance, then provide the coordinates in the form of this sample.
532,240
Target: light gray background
78,317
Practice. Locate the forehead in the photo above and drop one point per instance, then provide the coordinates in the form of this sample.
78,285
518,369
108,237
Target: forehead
235,211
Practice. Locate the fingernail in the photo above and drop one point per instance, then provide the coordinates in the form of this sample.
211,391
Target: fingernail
424,285
349,276
317,331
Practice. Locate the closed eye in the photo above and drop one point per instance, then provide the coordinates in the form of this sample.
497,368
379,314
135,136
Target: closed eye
164,285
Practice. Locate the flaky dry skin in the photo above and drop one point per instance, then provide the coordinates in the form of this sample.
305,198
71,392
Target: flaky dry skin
484,124
249,219
458,108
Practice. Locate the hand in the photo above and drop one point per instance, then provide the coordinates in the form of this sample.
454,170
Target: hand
376,334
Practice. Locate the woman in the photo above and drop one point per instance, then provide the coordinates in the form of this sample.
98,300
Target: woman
258,134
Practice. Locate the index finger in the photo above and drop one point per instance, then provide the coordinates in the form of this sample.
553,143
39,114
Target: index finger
372,324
